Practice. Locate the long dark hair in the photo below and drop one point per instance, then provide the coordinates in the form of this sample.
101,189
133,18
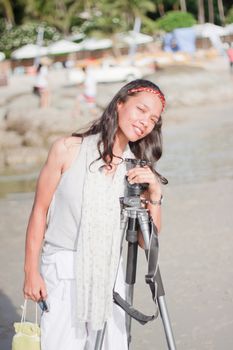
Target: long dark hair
148,148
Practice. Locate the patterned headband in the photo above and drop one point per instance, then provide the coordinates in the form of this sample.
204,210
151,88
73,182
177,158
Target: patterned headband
147,89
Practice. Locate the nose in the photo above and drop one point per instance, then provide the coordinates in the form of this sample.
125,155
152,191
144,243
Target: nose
144,122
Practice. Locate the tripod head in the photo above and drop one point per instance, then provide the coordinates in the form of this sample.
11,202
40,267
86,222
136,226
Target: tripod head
133,191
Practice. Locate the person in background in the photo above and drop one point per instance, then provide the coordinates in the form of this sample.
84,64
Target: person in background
88,96
41,86
90,86
230,56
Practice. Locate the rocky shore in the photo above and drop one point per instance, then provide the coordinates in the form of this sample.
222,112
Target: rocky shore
26,131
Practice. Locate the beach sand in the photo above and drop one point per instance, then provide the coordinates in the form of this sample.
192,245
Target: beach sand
196,240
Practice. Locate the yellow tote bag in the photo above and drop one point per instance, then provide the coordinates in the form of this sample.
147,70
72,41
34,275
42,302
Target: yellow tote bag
27,334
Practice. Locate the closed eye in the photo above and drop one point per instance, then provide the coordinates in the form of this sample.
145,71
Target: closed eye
154,120
141,109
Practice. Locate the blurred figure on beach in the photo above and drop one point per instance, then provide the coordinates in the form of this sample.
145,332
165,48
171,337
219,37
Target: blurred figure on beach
3,70
41,86
89,90
90,86
230,56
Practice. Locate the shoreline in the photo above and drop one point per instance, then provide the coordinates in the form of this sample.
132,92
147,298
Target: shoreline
176,121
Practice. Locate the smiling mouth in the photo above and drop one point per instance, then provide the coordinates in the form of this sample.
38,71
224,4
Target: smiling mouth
138,131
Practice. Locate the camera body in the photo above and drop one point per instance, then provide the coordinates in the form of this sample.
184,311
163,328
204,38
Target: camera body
133,191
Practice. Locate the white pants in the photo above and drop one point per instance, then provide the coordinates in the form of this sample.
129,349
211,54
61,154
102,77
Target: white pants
59,331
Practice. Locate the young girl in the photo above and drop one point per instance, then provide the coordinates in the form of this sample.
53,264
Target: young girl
76,220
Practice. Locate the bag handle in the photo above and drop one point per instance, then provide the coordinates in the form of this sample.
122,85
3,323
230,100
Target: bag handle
24,307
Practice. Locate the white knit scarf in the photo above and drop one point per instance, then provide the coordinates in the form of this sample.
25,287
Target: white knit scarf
98,247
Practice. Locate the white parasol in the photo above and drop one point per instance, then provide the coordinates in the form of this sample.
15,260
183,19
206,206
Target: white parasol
63,46
29,51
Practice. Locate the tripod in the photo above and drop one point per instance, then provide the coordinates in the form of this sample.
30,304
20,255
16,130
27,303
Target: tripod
139,217
133,217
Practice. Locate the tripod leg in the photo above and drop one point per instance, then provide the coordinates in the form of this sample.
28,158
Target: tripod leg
166,323
131,237
164,312
130,281
143,222
128,320
100,338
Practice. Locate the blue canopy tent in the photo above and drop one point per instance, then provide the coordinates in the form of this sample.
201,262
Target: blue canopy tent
181,39
185,39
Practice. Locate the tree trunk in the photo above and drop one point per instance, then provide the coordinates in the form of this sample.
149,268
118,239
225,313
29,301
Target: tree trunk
201,12
161,9
176,6
211,11
221,11
8,12
183,6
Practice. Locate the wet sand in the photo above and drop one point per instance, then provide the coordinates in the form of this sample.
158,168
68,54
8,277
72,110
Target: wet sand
196,242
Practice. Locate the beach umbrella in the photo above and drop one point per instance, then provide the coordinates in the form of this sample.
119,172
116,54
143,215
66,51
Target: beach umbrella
96,44
29,51
229,29
208,30
62,47
75,37
133,37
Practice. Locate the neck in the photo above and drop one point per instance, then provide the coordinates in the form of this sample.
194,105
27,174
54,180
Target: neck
120,143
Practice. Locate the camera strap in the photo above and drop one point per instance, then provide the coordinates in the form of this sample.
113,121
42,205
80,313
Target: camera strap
150,278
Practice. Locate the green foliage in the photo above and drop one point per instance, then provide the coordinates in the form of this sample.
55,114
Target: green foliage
110,17
105,17
59,14
229,17
11,39
148,26
175,19
102,18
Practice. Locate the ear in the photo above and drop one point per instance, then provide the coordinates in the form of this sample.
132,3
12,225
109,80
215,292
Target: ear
119,105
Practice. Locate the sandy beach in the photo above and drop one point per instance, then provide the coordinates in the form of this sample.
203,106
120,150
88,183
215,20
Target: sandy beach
196,241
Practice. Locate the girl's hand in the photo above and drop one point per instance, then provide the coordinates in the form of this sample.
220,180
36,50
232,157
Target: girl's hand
145,175
34,286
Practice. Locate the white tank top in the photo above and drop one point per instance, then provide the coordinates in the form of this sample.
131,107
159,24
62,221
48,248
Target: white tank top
64,214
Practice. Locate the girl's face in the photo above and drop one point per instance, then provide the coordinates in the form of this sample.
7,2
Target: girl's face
138,115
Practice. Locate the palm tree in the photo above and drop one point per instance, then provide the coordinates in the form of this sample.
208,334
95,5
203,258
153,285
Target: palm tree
160,7
58,13
201,12
130,9
221,11
8,10
211,11
183,5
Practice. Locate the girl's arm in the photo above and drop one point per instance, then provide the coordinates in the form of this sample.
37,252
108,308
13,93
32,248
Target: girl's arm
59,155
154,209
